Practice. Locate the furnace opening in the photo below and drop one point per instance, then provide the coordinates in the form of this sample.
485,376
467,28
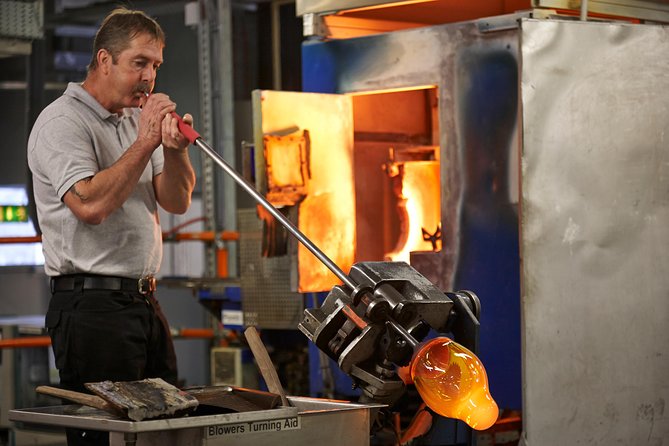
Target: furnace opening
396,174
358,173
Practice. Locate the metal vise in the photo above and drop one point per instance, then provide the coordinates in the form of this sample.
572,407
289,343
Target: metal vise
373,329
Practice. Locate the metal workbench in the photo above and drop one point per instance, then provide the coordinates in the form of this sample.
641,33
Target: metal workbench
308,421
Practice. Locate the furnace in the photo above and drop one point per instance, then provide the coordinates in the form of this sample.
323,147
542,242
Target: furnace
359,174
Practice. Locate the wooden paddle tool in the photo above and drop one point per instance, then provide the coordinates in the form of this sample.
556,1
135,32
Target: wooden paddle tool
265,365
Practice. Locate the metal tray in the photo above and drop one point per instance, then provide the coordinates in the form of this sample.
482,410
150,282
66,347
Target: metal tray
309,421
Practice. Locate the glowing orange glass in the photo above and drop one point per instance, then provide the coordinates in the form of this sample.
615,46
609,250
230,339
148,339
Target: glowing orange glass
453,383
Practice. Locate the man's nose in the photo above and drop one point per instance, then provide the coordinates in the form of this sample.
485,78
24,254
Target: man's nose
148,74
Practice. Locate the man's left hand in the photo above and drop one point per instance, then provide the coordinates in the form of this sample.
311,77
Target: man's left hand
172,137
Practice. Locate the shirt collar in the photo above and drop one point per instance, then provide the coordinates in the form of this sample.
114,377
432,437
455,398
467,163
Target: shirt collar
78,92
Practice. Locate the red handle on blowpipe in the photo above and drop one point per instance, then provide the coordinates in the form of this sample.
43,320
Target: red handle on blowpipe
187,130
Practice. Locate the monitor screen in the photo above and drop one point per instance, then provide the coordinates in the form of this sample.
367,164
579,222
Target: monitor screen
15,222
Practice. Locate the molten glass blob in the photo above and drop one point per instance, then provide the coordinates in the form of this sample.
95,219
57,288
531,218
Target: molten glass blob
453,383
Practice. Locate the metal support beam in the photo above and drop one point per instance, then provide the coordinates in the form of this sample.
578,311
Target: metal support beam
206,126
226,139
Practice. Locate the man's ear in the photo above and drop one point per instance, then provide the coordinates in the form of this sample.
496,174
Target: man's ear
104,58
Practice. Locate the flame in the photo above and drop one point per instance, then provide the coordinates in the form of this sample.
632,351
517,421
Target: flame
421,200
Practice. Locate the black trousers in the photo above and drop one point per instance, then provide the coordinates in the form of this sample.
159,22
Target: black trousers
100,335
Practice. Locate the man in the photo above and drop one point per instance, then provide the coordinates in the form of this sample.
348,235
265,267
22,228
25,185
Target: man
100,167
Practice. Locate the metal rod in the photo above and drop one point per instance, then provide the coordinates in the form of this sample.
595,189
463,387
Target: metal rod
248,187
403,332
584,10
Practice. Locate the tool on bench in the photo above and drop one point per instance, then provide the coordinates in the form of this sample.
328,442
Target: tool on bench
147,399
265,365
153,398
232,398
80,398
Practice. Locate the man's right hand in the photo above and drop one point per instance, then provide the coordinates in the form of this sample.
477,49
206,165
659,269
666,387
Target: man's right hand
156,107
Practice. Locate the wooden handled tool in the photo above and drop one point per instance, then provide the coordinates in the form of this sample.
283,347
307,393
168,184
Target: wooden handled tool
79,398
265,365
147,399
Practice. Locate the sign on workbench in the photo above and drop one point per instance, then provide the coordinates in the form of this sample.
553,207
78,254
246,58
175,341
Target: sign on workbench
253,427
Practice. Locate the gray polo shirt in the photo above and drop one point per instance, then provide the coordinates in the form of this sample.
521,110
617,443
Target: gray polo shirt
74,138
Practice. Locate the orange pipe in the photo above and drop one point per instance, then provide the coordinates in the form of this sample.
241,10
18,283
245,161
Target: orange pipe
31,239
28,341
204,333
222,263
205,236
45,341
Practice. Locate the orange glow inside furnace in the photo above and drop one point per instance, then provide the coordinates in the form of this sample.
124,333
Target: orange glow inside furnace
325,210
418,206
322,164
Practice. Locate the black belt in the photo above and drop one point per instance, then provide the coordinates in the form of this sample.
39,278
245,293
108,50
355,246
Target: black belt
144,285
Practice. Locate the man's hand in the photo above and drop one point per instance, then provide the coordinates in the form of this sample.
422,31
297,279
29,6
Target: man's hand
174,186
172,138
156,108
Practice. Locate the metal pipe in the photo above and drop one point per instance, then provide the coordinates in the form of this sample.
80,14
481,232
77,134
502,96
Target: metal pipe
28,341
248,187
403,332
200,333
45,341
226,107
21,239
204,236
208,180
584,10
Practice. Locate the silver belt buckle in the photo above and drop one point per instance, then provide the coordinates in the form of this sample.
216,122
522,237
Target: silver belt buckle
146,285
